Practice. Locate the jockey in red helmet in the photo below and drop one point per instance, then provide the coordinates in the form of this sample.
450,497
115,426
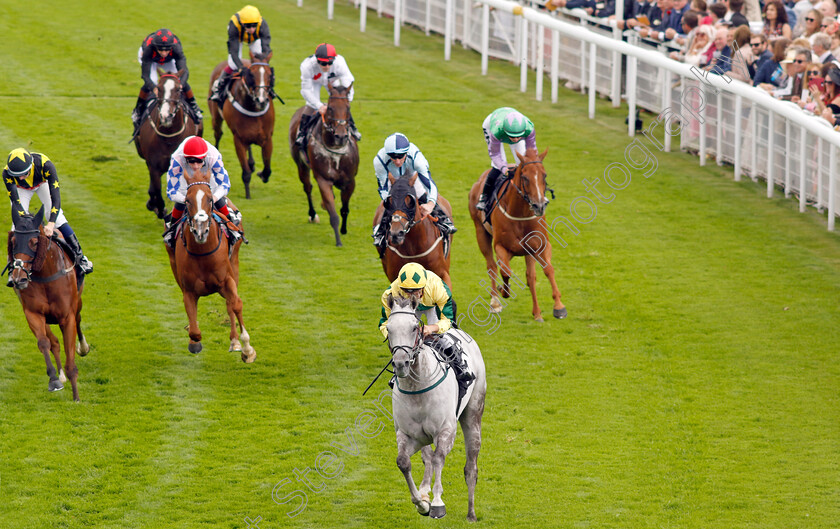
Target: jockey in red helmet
324,67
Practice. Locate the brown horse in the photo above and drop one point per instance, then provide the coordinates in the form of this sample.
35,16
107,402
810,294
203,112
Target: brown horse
203,264
43,278
333,155
249,113
412,237
159,135
516,219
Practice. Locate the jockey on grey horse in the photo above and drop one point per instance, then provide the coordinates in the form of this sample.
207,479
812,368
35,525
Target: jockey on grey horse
426,403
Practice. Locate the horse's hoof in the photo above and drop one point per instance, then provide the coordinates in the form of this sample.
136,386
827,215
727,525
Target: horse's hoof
315,219
539,319
249,358
560,313
195,347
437,511
263,178
471,517
235,347
423,508
339,245
55,385
82,351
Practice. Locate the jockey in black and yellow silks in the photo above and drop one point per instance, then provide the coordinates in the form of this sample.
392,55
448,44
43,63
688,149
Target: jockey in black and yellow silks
30,173
249,27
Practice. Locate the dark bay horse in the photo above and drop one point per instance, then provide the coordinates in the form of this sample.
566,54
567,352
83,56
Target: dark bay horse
159,135
516,218
203,264
249,114
44,281
333,155
411,236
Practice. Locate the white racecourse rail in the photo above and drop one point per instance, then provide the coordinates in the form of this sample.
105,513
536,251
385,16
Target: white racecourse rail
737,123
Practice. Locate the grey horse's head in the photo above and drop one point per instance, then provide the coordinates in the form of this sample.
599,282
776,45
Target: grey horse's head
405,333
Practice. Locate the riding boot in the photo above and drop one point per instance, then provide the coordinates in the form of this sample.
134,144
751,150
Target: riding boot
444,223
353,130
487,192
300,140
194,110
380,235
220,87
84,264
137,113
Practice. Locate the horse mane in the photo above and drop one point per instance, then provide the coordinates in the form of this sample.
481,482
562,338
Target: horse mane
248,78
41,253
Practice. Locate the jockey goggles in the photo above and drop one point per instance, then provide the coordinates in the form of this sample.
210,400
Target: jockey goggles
249,25
191,159
396,156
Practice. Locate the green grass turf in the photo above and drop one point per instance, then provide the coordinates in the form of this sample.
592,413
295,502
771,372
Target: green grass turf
694,384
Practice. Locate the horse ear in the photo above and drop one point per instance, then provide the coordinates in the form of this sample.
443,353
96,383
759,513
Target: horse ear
542,156
161,72
180,74
520,156
390,301
269,56
412,179
351,86
391,178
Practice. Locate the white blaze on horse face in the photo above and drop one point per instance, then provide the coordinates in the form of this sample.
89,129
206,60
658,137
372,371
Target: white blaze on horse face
166,107
262,95
201,215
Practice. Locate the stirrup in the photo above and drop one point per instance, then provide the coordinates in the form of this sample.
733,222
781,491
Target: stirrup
482,203
85,265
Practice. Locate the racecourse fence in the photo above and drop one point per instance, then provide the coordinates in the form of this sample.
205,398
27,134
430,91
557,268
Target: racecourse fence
713,115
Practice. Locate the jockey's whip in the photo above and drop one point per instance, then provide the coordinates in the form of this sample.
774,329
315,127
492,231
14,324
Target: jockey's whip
377,377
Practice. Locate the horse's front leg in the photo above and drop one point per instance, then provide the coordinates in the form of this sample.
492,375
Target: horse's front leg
407,447
346,193
68,332
39,328
531,273
55,348
428,471
241,341
328,201
155,203
267,148
243,153
191,306
485,244
443,445
548,269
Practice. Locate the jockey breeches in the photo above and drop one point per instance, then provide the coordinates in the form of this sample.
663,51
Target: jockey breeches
43,192
255,47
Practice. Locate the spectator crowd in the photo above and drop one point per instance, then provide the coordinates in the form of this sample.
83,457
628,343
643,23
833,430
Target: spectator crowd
787,49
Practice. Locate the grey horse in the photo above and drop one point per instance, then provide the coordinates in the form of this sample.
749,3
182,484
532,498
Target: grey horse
424,401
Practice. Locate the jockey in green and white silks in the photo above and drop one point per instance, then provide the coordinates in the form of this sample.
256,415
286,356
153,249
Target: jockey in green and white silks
399,157
504,125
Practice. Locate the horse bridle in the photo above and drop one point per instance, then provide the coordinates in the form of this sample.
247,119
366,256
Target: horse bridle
337,122
406,223
524,193
268,87
176,102
20,264
418,340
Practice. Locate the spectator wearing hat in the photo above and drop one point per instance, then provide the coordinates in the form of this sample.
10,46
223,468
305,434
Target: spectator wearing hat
771,71
795,63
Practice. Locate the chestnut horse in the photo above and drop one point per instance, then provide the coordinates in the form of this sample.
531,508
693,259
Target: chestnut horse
333,155
411,236
159,135
44,281
203,264
516,219
249,113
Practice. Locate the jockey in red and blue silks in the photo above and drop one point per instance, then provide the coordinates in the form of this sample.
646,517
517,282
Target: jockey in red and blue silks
193,155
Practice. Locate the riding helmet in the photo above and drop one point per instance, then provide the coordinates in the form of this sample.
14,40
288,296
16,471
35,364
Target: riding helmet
412,276
163,39
19,162
325,53
515,124
249,15
195,147
396,143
